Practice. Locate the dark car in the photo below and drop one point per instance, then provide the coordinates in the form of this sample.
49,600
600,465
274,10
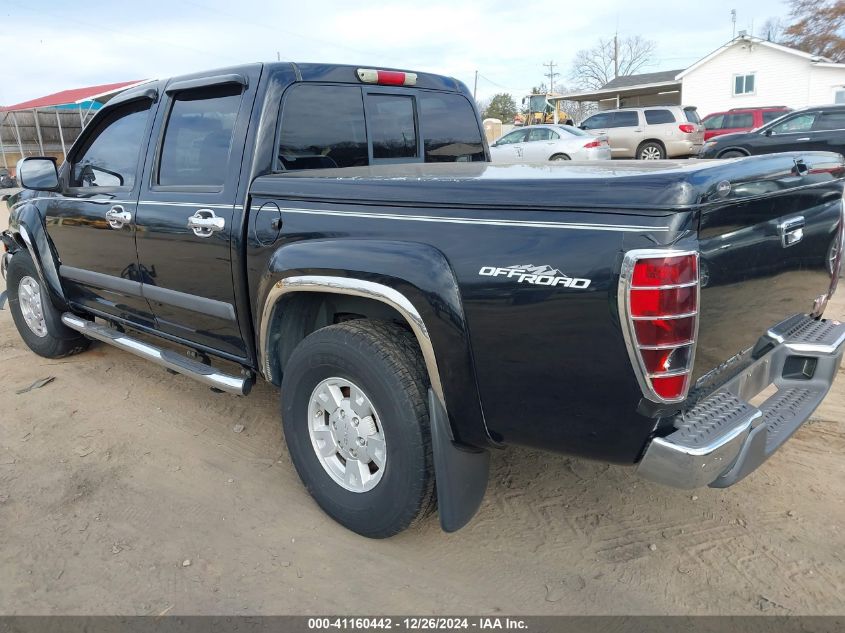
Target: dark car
818,128
6,180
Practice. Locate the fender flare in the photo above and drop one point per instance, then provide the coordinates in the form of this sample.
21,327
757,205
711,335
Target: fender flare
29,228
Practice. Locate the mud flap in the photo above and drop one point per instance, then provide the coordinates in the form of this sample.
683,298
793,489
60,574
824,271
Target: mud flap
461,472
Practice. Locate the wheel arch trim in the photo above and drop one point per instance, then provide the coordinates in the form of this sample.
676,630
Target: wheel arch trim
353,287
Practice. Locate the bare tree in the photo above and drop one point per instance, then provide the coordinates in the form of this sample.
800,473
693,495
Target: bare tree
773,30
611,58
817,27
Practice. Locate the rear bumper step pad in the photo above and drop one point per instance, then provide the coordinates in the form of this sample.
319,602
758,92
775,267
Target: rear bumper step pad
724,437
206,374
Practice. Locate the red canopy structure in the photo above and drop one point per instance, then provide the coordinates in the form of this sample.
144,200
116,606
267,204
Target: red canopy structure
73,96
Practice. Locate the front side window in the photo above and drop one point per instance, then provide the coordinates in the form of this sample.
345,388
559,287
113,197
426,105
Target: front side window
714,122
800,123
625,119
198,137
517,136
323,126
391,126
449,128
656,117
597,121
109,157
744,84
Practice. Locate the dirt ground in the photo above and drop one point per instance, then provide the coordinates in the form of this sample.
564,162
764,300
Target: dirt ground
116,474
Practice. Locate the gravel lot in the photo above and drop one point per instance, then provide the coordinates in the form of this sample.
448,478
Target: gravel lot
124,490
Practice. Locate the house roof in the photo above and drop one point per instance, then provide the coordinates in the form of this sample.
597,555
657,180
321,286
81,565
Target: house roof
643,79
75,95
748,39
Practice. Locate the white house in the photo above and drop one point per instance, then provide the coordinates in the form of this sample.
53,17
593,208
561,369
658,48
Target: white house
749,71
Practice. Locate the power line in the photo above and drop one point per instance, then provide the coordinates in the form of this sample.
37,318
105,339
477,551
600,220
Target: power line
551,74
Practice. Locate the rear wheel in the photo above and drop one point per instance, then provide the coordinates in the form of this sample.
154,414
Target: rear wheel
37,320
651,151
356,423
731,153
560,157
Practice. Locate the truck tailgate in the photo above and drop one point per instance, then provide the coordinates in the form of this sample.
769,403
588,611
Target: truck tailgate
769,252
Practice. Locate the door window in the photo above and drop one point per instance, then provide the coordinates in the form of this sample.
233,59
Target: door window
656,117
541,134
597,121
799,123
738,120
323,126
109,157
449,128
392,126
625,119
517,136
830,121
198,137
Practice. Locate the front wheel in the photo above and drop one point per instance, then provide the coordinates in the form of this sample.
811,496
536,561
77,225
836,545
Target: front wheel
732,153
560,157
356,423
651,151
38,322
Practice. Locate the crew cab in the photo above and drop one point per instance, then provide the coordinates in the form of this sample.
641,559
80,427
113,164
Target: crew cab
340,232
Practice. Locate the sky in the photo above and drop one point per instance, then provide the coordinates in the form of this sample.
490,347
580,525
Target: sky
52,46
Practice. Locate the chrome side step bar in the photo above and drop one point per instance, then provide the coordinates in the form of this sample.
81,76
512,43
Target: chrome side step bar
206,374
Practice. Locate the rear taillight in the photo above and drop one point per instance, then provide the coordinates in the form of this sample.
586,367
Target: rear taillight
592,144
658,303
386,77
686,128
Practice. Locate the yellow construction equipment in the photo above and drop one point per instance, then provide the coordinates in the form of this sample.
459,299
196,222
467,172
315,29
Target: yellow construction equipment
541,110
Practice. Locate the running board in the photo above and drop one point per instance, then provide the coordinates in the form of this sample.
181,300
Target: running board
206,374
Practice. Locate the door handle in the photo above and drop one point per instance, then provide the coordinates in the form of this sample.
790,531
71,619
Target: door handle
117,216
791,231
204,223
806,138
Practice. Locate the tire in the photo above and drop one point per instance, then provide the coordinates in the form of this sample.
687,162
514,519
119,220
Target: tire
732,153
651,150
383,362
560,157
38,322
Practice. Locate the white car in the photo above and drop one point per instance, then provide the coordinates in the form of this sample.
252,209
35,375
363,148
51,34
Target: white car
539,143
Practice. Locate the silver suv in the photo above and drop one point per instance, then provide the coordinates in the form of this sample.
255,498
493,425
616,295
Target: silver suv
649,133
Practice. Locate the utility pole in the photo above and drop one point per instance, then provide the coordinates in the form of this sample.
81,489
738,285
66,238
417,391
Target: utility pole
551,75
733,22
615,55
475,86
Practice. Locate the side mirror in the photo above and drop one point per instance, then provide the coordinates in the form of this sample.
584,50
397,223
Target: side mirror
38,174
768,132
583,127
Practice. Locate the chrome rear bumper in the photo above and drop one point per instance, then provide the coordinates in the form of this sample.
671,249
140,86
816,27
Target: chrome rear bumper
724,437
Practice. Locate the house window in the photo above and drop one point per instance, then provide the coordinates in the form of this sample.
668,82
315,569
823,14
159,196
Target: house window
744,84
839,95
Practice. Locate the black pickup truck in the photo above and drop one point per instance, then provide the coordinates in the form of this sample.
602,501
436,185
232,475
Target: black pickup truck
340,232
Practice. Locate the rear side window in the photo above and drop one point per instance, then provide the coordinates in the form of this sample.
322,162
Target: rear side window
656,117
625,119
323,126
692,115
714,122
830,121
198,137
449,128
770,116
598,121
110,155
541,134
738,120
